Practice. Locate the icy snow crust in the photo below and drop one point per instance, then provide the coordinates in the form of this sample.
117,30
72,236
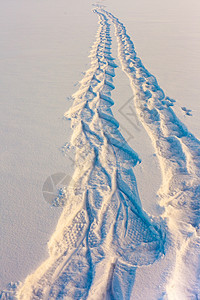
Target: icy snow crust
103,234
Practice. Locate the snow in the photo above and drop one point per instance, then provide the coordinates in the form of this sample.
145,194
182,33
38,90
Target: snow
39,69
45,49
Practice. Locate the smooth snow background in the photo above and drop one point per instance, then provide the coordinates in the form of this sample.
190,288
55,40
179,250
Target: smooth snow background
44,49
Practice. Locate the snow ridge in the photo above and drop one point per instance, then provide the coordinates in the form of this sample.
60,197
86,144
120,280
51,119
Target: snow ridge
178,152
103,229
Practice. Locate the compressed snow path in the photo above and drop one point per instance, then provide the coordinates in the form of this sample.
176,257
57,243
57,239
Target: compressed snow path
103,228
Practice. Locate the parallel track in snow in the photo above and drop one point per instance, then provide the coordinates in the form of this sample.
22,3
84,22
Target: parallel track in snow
178,152
103,234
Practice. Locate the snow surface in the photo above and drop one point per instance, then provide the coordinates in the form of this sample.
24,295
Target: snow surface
41,60
43,54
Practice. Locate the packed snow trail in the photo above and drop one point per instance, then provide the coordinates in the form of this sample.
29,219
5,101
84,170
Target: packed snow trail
103,234
178,152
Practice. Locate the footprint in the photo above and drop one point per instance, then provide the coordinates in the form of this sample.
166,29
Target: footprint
187,111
